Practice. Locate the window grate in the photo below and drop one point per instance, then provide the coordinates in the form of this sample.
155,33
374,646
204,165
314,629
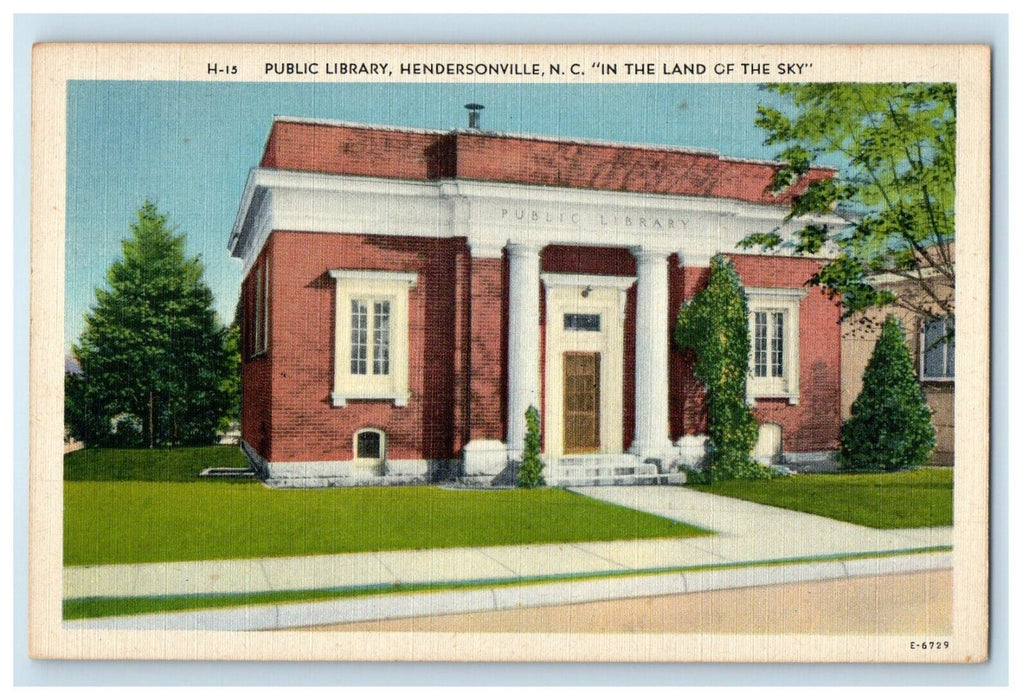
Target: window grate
582,322
369,445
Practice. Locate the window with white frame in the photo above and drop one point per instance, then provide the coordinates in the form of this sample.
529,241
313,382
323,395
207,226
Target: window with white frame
369,447
938,349
371,335
774,343
259,340
369,354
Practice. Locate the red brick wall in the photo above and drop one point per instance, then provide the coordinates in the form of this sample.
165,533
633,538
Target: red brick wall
419,155
689,400
814,423
488,349
255,422
458,349
622,168
354,151
304,424
462,348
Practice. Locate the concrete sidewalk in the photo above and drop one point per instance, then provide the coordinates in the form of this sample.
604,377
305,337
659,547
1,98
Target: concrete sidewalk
746,533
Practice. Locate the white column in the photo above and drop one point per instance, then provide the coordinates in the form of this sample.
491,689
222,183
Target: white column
652,333
523,341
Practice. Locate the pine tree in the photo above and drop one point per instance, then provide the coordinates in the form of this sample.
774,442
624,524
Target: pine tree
890,427
154,357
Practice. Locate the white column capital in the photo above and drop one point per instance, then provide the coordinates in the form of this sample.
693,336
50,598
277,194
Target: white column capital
518,249
691,259
484,249
649,254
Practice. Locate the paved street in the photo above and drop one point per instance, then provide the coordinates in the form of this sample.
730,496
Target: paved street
916,603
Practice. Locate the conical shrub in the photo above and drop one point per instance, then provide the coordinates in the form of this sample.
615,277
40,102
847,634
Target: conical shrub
890,427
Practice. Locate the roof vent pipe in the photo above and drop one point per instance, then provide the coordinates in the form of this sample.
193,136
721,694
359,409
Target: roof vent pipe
473,114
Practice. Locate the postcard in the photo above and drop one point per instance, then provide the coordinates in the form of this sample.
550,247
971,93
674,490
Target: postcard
644,353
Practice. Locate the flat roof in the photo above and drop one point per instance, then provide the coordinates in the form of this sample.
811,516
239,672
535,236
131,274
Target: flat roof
532,137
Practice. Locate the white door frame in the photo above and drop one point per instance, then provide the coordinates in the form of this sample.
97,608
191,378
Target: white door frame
585,294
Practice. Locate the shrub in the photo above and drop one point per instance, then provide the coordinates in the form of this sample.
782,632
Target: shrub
714,325
890,427
530,469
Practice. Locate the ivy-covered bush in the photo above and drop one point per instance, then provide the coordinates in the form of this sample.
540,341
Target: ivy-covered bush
890,427
530,469
714,324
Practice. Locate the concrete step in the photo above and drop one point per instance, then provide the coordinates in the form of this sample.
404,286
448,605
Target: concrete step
603,470
634,480
232,472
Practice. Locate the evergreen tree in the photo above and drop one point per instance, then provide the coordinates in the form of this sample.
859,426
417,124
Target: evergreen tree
530,469
890,427
232,383
153,354
715,326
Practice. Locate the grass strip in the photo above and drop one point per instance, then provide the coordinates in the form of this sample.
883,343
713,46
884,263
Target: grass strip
916,498
81,608
176,464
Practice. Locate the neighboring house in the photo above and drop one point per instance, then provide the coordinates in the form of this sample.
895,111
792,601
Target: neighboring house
409,293
71,444
931,339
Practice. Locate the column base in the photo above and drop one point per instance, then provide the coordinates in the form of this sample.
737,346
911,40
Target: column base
663,449
484,458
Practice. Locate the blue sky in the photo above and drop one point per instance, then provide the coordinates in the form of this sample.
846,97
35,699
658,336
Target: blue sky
189,146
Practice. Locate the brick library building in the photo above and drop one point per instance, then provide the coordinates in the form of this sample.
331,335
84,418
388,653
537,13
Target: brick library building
409,293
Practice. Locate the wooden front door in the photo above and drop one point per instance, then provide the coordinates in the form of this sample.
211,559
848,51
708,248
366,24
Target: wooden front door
582,402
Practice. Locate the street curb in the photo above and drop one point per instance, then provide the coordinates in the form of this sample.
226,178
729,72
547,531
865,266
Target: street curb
487,599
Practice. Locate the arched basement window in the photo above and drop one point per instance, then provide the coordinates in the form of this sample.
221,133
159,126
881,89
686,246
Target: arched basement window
369,447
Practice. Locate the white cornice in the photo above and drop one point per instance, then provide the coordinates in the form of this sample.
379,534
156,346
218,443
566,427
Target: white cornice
410,278
555,279
781,292
492,214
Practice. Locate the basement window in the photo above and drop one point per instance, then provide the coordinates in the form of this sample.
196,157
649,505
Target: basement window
369,447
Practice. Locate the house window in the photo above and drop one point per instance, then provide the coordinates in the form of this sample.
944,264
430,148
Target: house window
582,322
769,327
369,447
938,349
371,336
259,341
380,326
774,343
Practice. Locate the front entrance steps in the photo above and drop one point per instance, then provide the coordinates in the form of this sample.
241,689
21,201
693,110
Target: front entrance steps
606,470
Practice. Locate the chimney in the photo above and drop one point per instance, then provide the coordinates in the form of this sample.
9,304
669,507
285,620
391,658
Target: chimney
473,114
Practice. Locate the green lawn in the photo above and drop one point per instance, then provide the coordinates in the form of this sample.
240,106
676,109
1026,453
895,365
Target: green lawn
919,498
179,464
108,521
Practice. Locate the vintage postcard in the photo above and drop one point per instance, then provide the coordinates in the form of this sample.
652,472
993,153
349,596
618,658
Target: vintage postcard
510,352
